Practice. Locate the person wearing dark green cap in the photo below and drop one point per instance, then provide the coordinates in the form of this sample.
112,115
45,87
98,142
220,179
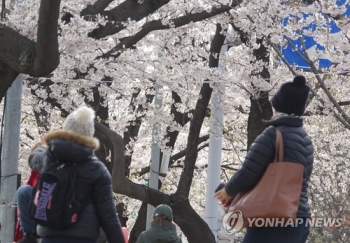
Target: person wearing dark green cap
162,229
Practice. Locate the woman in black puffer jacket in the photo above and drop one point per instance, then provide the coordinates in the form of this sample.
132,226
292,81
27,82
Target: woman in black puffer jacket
75,144
289,105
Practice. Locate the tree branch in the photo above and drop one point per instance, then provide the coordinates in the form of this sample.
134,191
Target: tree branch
120,183
25,56
173,158
158,25
47,55
46,85
17,51
96,8
344,117
313,92
7,75
185,182
129,9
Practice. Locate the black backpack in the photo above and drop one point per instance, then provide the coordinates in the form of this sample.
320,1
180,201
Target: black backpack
54,203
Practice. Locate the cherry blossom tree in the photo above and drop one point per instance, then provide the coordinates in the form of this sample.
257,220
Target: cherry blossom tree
113,53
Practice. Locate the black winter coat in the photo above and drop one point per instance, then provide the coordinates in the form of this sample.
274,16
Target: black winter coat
93,183
297,148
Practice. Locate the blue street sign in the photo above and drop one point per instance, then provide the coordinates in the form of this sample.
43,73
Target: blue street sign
294,59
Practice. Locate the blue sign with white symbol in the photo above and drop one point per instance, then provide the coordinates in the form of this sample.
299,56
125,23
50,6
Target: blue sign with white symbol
310,44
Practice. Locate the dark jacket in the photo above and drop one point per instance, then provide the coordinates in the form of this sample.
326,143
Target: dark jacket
297,148
93,183
165,233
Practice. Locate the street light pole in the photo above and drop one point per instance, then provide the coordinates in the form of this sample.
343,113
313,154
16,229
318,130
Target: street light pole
155,153
211,214
9,159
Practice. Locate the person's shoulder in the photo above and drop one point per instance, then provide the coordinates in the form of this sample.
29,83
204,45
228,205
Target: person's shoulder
178,239
268,133
265,139
94,168
270,130
142,237
94,161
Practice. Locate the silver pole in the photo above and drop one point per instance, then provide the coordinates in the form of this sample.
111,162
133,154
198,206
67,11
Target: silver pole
211,213
155,154
165,164
9,159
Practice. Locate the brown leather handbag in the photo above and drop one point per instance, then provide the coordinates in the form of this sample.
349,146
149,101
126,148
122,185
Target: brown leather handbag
277,194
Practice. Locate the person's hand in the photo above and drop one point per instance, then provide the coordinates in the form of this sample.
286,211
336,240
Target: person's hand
223,197
42,140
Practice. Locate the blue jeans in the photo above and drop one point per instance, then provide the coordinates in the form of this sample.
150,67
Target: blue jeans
24,197
287,234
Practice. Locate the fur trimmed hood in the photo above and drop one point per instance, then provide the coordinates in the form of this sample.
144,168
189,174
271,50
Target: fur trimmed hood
70,136
66,146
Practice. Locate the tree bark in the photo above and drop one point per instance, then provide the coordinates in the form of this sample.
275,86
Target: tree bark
47,55
102,112
42,120
25,56
260,109
7,76
140,224
96,8
129,9
198,117
17,51
179,117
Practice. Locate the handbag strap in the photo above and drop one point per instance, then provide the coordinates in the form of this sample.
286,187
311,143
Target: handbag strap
279,153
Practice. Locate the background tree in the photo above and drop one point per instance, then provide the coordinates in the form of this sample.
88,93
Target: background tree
113,52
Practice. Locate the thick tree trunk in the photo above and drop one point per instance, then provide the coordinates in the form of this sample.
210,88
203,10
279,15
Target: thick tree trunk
7,76
25,56
192,225
140,224
16,50
260,109
22,55
47,55
102,112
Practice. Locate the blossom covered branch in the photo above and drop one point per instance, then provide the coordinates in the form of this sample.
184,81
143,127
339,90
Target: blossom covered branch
162,25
